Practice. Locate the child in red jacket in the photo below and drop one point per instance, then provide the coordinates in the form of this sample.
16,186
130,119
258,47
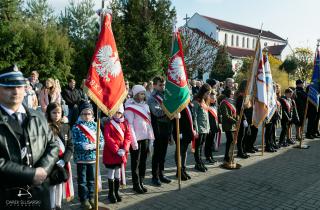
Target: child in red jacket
117,143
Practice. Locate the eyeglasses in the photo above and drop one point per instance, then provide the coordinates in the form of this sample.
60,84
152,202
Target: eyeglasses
86,114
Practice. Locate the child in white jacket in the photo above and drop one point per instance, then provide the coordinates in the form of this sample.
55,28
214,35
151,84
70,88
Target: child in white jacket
138,115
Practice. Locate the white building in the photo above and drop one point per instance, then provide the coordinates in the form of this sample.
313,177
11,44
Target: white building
239,39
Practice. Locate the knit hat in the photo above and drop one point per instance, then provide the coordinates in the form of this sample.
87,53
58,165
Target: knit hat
85,105
121,109
12,77
137,89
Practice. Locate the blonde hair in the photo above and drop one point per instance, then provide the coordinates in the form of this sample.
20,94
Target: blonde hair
53,89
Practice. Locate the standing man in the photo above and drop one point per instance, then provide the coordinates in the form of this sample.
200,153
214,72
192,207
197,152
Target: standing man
162,129
301,102
72,96
28,149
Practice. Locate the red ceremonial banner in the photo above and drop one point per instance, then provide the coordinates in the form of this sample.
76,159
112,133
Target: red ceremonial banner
105,83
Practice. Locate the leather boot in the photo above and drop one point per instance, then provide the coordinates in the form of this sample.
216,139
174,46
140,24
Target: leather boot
116,189
111,196
142,185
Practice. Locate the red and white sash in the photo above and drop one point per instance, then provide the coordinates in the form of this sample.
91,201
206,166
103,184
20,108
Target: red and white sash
118,129
287,104
89,133
140,111
158,98
62,148
230,106
213,112
68,192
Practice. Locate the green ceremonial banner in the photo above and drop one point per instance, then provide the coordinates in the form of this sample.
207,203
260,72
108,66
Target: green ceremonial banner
176,95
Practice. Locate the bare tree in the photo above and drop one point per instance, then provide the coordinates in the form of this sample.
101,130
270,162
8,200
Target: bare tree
199,51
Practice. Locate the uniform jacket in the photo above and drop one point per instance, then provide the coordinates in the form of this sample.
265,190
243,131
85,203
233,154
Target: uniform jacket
286,106
185,125
80,139
113,143
229,120
43,145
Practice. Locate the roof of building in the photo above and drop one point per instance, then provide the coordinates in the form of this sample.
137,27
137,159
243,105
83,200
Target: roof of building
211,41
241,28
239,52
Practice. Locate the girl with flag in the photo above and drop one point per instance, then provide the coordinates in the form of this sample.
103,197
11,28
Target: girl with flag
84,133
61,175
201,124
117,134
138,115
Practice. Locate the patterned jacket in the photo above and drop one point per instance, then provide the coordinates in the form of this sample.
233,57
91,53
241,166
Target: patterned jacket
80,139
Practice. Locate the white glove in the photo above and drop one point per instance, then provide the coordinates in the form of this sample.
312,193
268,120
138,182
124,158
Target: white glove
61,163
134,146
245,124
180,135
121,152
178,116
89,146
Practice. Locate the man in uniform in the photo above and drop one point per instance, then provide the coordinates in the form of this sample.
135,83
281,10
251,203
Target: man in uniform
162,129
28,151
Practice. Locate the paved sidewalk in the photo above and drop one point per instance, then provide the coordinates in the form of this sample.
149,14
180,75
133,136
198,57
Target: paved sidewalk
287,179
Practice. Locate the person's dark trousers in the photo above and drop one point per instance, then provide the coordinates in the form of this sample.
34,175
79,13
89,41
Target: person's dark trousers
240,140
284,126
183,153
160,146
316,124
252,137
85,174
198,148
273,134
311,125
268,135
209,144
229,137
138,160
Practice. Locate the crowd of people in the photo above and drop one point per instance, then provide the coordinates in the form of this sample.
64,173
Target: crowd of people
44,127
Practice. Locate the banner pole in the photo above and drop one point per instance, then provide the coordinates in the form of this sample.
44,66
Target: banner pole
263,138
96,197
178,153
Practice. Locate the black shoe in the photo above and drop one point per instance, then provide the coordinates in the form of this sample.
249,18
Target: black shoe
256,149
156,182
308,136
269,149
137,188
204,166
116,189
111,196
186,174
210,160
290,141
142,185
183,176
199,167
164,179
244,156
251,151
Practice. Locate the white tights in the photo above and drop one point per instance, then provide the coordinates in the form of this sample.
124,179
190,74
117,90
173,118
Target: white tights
113,173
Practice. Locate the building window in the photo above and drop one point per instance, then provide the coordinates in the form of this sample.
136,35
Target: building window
226,39
232,40
248,43
243,42
253,43
237,41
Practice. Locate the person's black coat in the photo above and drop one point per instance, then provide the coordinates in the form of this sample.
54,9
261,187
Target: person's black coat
184,125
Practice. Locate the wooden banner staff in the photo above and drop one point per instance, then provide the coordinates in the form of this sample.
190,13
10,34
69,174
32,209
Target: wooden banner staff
96,197
178,151
263,138
231,164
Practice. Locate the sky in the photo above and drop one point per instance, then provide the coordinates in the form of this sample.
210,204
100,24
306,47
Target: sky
297,20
